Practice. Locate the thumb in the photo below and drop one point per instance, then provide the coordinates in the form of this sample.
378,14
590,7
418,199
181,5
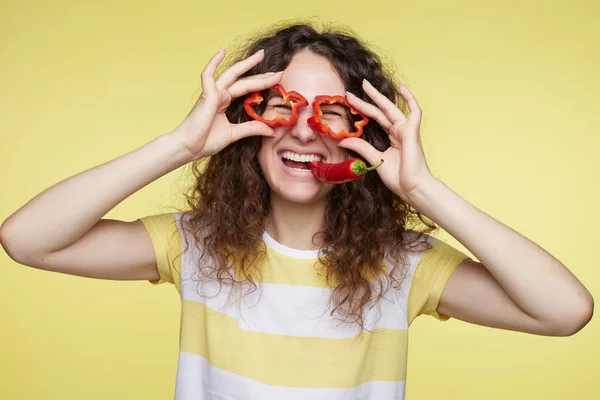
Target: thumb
251,128
363,148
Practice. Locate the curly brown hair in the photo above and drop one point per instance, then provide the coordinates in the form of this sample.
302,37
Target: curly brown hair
365,222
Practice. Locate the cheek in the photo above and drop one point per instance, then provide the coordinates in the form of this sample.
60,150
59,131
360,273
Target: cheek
337,154
267,144
262,160
265,154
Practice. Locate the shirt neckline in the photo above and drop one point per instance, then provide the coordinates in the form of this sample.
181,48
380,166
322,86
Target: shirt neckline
288,251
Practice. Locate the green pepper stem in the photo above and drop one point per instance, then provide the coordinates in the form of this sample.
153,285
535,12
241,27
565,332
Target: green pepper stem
373,167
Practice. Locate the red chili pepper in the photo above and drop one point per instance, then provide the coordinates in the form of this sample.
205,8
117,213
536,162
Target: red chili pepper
316,123
296,100
343,172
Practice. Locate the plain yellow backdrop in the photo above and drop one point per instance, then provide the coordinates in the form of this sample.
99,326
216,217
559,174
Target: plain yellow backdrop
509,92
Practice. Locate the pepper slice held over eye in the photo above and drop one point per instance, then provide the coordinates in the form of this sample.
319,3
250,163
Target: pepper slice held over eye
318,125
295,99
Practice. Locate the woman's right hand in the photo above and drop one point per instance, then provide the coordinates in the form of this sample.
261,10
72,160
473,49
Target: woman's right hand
206,130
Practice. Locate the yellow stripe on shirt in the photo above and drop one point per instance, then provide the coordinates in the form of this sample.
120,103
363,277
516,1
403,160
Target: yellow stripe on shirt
292,271
297,271
292,360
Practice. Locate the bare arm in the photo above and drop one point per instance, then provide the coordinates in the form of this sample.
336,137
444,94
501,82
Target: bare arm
517,285
61,228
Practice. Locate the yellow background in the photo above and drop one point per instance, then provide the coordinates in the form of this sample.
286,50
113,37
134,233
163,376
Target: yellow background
509,91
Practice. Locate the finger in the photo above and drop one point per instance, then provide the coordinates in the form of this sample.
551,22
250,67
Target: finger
388,108
413,105
254,83
251,128
362,147
369,110
232,73
208,74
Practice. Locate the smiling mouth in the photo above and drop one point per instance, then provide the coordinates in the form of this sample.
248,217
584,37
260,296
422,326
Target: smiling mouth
296,161
297,165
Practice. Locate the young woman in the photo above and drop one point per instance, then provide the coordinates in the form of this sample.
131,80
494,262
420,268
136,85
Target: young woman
291,287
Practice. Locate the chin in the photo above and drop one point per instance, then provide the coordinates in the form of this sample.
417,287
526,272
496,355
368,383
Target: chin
299,192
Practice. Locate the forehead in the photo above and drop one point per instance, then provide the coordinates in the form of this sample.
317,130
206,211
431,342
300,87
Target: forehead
310,75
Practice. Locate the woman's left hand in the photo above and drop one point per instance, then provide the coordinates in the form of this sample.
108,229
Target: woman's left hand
404,170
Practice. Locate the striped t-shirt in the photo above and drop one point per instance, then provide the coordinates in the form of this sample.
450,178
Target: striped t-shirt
281,342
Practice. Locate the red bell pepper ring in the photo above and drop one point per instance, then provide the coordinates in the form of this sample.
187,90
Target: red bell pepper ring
346,171
296,100
316,123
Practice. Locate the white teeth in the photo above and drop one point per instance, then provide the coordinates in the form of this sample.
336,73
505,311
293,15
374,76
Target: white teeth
300,158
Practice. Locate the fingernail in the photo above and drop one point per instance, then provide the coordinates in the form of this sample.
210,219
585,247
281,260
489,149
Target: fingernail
261,50
269,73
347,93
279,72
221,50
364,80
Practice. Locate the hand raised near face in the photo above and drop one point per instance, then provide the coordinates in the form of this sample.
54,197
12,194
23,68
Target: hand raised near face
206,130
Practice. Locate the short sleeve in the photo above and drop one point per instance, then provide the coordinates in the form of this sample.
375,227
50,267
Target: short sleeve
432,271
166,240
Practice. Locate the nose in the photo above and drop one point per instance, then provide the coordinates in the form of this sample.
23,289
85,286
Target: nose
301,130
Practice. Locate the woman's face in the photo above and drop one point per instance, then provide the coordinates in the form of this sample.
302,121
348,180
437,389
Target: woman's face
310,75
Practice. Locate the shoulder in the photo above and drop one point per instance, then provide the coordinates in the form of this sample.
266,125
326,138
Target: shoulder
166,232
170,225
432,261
